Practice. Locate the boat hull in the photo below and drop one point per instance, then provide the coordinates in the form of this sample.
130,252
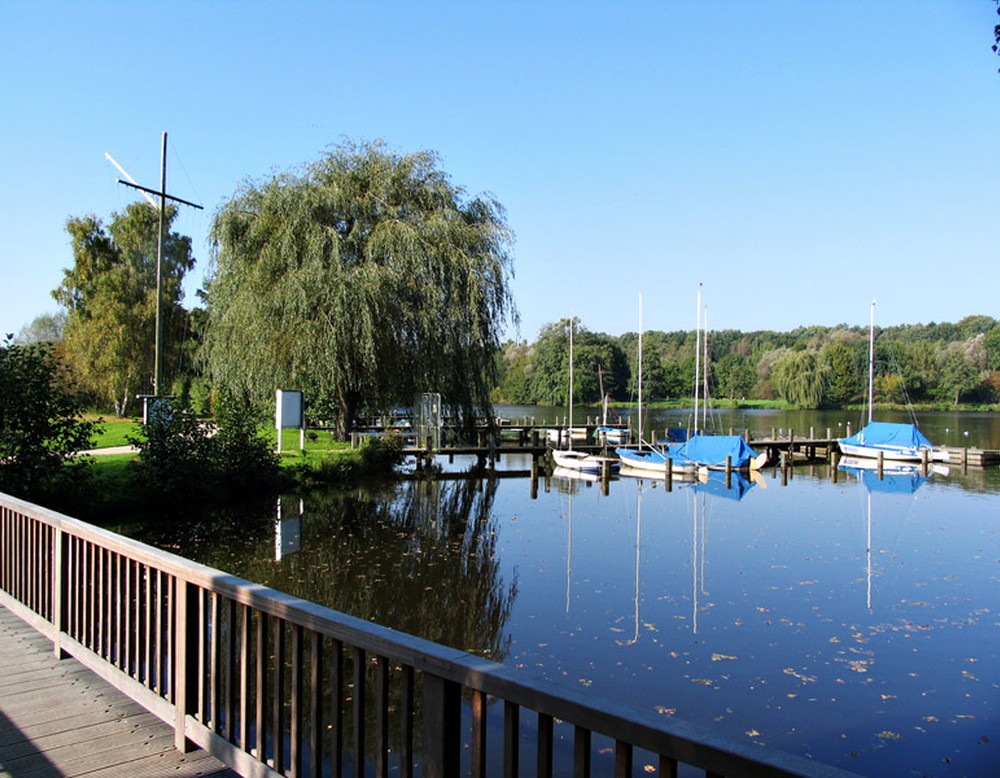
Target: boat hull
581,461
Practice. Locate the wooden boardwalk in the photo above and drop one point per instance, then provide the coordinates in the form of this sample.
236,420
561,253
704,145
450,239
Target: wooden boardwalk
59,719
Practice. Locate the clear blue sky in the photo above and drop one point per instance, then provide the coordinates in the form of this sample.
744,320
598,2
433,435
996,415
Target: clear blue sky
800,158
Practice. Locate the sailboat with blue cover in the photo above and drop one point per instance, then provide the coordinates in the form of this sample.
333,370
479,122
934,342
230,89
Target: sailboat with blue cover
892,441
698,452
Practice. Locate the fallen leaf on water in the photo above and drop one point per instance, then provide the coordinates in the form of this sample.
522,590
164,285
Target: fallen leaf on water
753,733
666,711
721,657
887,697
800,676
649,768
888,734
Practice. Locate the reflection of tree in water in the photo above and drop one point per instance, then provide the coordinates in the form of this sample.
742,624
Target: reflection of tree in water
416,556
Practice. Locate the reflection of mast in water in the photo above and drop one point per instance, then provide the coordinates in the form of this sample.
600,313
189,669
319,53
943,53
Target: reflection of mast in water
697,559
868,563
569,550
638,533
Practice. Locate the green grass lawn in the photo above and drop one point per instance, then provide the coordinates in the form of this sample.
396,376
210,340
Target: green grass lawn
114,432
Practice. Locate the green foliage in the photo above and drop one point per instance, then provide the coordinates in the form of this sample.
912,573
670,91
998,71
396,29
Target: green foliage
909,365
800,377
375,457
365,280
110,298
182,457
735,376
40,427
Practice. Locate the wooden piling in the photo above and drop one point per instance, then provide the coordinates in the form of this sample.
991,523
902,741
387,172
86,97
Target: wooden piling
669,473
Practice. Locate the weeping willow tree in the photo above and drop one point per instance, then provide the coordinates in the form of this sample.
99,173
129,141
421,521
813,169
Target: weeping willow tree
801,378
362,280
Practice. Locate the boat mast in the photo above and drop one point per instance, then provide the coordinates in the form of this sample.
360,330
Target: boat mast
704,370
697,358
871,363
640,370
569,429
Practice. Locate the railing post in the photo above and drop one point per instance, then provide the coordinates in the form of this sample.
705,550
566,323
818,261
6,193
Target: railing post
442,722
59,614
185,663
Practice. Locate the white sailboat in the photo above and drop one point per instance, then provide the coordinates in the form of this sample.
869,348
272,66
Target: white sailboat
574,459
888,440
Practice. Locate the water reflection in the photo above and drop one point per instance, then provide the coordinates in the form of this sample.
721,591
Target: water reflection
416,556
852,619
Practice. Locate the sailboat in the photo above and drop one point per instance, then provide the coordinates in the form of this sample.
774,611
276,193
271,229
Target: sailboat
606,432
889,440
574,459
649,459
701,451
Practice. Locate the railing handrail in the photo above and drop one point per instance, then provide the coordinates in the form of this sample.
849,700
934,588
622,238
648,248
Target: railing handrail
684,741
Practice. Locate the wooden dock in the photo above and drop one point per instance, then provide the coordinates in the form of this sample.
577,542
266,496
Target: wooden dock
59,719
785,446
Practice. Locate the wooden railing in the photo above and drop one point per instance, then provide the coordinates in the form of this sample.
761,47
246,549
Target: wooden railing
274,685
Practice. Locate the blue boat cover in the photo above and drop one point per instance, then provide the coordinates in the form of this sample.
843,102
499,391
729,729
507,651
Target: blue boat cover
902,481
715,484
886,434
712,450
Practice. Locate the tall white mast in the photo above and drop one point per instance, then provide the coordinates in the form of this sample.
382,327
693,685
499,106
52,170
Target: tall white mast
640,370
697,359
871,363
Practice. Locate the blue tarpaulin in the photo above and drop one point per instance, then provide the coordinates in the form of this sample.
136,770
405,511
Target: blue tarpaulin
887,434
712,450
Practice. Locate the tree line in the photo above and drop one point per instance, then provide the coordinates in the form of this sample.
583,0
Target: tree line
809,367
368,276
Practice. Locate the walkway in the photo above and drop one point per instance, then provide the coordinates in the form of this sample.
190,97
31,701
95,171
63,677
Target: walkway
59,719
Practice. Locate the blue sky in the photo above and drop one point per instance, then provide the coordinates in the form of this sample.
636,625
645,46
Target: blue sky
797,157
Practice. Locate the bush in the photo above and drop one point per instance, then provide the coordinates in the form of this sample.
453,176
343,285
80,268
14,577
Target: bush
183,457
40,429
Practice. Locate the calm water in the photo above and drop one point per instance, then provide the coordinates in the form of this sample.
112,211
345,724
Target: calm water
853,621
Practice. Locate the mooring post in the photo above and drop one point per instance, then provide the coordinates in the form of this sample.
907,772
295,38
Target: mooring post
924,460
669,473
881,464
729,471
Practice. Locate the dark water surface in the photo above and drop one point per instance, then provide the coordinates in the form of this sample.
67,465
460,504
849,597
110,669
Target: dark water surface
853,621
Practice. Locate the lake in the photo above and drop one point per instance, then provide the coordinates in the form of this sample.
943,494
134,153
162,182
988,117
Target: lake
852,620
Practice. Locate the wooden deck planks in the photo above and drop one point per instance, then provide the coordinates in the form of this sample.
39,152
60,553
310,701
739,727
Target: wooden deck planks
59,719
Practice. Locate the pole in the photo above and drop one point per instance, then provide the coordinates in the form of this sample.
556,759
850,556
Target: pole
159,262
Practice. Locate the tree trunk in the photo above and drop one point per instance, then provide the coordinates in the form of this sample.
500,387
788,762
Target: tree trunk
346,412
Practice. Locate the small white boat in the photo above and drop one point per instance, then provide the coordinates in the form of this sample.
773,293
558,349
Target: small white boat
570,458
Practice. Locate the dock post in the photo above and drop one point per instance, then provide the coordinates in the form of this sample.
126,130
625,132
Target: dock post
965,460
848,429
784,468
668,473
729,472
881,464
924,461
774,434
